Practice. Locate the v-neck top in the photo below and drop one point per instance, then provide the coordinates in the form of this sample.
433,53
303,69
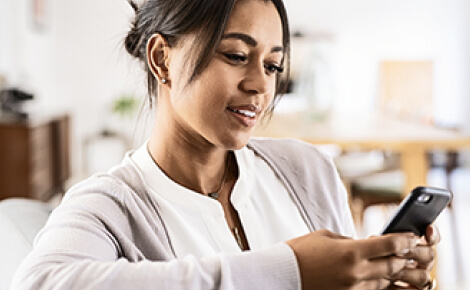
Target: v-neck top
196,223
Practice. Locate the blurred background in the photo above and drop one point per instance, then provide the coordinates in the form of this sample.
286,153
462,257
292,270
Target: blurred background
383,87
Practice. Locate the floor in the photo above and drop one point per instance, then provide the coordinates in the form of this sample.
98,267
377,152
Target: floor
453,266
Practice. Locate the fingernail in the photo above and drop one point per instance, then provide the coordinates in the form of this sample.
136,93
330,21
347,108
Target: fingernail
415,241
410,262
403,252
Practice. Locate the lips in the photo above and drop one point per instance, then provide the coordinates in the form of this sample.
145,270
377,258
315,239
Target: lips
245,114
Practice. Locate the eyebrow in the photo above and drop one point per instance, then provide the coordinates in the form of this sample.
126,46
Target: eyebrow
249,40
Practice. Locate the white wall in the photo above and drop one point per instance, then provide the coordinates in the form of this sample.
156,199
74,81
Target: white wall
4,47
94,67
368,31
78,63
26,55
466,75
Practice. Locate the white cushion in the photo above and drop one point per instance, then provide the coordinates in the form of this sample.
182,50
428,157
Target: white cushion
20,221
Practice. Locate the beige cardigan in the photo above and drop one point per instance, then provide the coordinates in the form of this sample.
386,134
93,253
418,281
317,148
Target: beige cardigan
107,232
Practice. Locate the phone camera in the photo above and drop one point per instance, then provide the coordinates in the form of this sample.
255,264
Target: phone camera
424,198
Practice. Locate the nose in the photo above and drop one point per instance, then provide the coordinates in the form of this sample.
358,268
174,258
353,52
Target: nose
255,81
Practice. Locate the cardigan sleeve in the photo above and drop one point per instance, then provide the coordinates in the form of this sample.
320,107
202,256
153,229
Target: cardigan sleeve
270,268
110,241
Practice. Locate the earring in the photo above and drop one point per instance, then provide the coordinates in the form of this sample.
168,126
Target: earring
163,80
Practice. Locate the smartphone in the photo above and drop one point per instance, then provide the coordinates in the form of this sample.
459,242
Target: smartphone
418,210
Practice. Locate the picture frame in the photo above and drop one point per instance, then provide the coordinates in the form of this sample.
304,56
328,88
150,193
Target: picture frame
39,13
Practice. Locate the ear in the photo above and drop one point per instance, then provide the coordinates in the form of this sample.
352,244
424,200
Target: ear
157,56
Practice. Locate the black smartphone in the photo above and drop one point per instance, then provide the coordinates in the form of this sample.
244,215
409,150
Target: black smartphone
418,210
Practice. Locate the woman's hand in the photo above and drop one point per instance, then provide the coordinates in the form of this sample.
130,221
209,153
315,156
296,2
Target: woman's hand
330,261
417,273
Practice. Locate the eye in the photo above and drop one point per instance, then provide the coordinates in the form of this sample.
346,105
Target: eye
236,58
273,68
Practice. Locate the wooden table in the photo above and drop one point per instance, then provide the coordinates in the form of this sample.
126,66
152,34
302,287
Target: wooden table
370,132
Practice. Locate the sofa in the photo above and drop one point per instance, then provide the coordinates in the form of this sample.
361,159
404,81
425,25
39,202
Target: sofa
20,221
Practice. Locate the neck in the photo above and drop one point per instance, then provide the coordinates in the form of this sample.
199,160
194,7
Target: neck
192,163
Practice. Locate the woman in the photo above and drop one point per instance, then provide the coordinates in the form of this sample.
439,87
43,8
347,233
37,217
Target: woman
200,205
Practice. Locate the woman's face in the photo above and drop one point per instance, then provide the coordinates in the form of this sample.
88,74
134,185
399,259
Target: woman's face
223,104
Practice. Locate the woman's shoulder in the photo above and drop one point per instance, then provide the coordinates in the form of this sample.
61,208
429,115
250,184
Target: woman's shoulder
120,184
288,150
113,197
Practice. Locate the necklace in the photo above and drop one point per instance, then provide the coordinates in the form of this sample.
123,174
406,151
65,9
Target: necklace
238,238
215,194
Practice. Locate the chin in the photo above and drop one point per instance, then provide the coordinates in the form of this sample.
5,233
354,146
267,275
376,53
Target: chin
235,142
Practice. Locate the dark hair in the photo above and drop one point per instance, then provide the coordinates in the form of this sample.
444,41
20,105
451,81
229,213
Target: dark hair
207,18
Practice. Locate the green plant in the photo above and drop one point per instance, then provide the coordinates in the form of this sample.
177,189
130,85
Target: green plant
125,106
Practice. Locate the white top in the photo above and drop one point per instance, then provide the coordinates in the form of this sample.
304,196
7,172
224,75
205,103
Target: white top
196,223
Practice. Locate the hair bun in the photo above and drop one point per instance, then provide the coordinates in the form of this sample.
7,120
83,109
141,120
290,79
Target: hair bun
132,42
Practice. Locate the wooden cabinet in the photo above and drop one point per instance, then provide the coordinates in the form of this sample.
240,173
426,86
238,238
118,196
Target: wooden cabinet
34,157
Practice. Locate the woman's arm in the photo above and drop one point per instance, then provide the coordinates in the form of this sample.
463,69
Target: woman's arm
87,261
113,240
